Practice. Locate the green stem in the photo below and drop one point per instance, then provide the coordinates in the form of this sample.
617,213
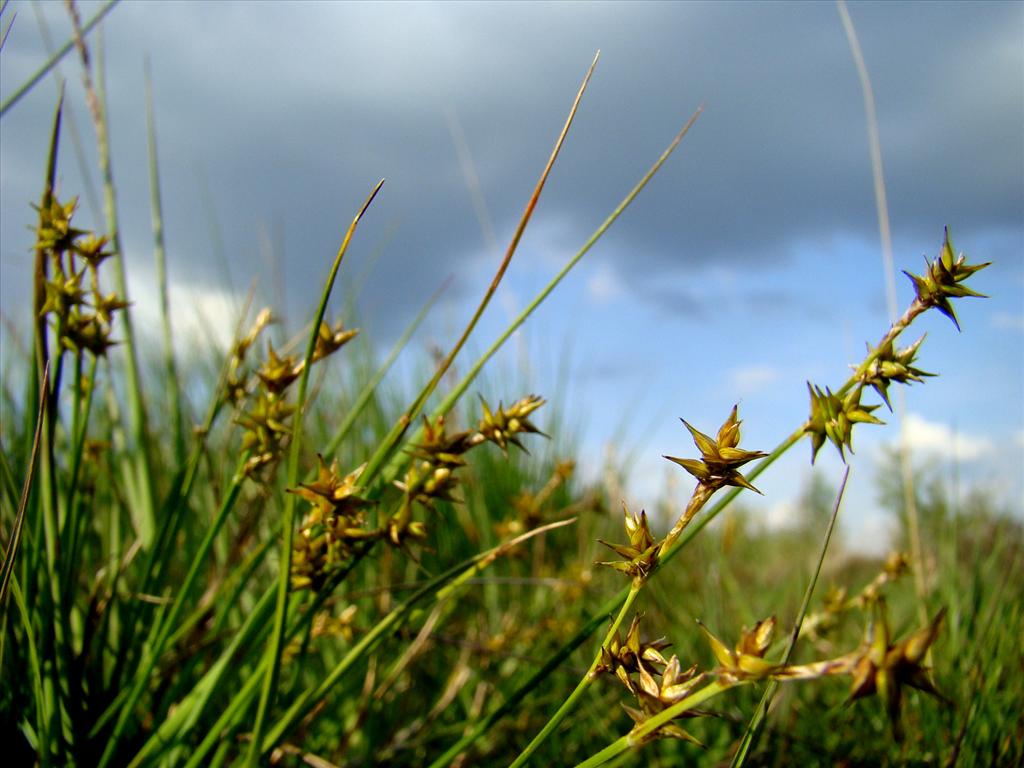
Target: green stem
449,401
583,684
612,604
159,256
636,736
162,630
754,726
284,572
73,521
40,73
133,379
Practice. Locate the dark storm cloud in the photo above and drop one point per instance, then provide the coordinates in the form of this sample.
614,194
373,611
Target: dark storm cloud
294,112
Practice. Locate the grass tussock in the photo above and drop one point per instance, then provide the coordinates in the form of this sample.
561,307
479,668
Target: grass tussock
314,570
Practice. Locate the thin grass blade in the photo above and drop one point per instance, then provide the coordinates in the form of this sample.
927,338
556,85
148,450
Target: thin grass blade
50,63
280,614
15,541
754,725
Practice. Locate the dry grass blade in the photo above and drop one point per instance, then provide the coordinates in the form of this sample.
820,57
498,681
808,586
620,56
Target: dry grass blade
413,411
19,520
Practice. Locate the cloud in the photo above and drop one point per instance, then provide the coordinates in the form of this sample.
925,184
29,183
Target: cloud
201,314
941,440
604,285
342,95
752,378
1008,321
780,514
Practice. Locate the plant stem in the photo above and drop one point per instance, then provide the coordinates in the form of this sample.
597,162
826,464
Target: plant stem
636,736
40,73
171,384
162,629
97,100
753,727
582,685
388,445
612,604
284,572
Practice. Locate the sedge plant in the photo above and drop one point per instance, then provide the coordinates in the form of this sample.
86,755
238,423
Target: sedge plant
279,584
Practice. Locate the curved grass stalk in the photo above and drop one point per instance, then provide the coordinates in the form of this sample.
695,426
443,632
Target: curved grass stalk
449,401
371,386
754,726
280,614
14,543
394,437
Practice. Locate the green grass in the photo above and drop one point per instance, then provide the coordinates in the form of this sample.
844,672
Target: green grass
171,595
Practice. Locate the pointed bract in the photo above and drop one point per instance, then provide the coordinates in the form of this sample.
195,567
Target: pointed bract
720,458
943,280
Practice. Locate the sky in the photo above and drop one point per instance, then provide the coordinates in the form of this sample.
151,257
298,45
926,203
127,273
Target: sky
750,265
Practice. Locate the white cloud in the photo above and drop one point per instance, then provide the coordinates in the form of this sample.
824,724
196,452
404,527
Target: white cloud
753,377
202,316
604,285
940,439
781,514
1008,320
